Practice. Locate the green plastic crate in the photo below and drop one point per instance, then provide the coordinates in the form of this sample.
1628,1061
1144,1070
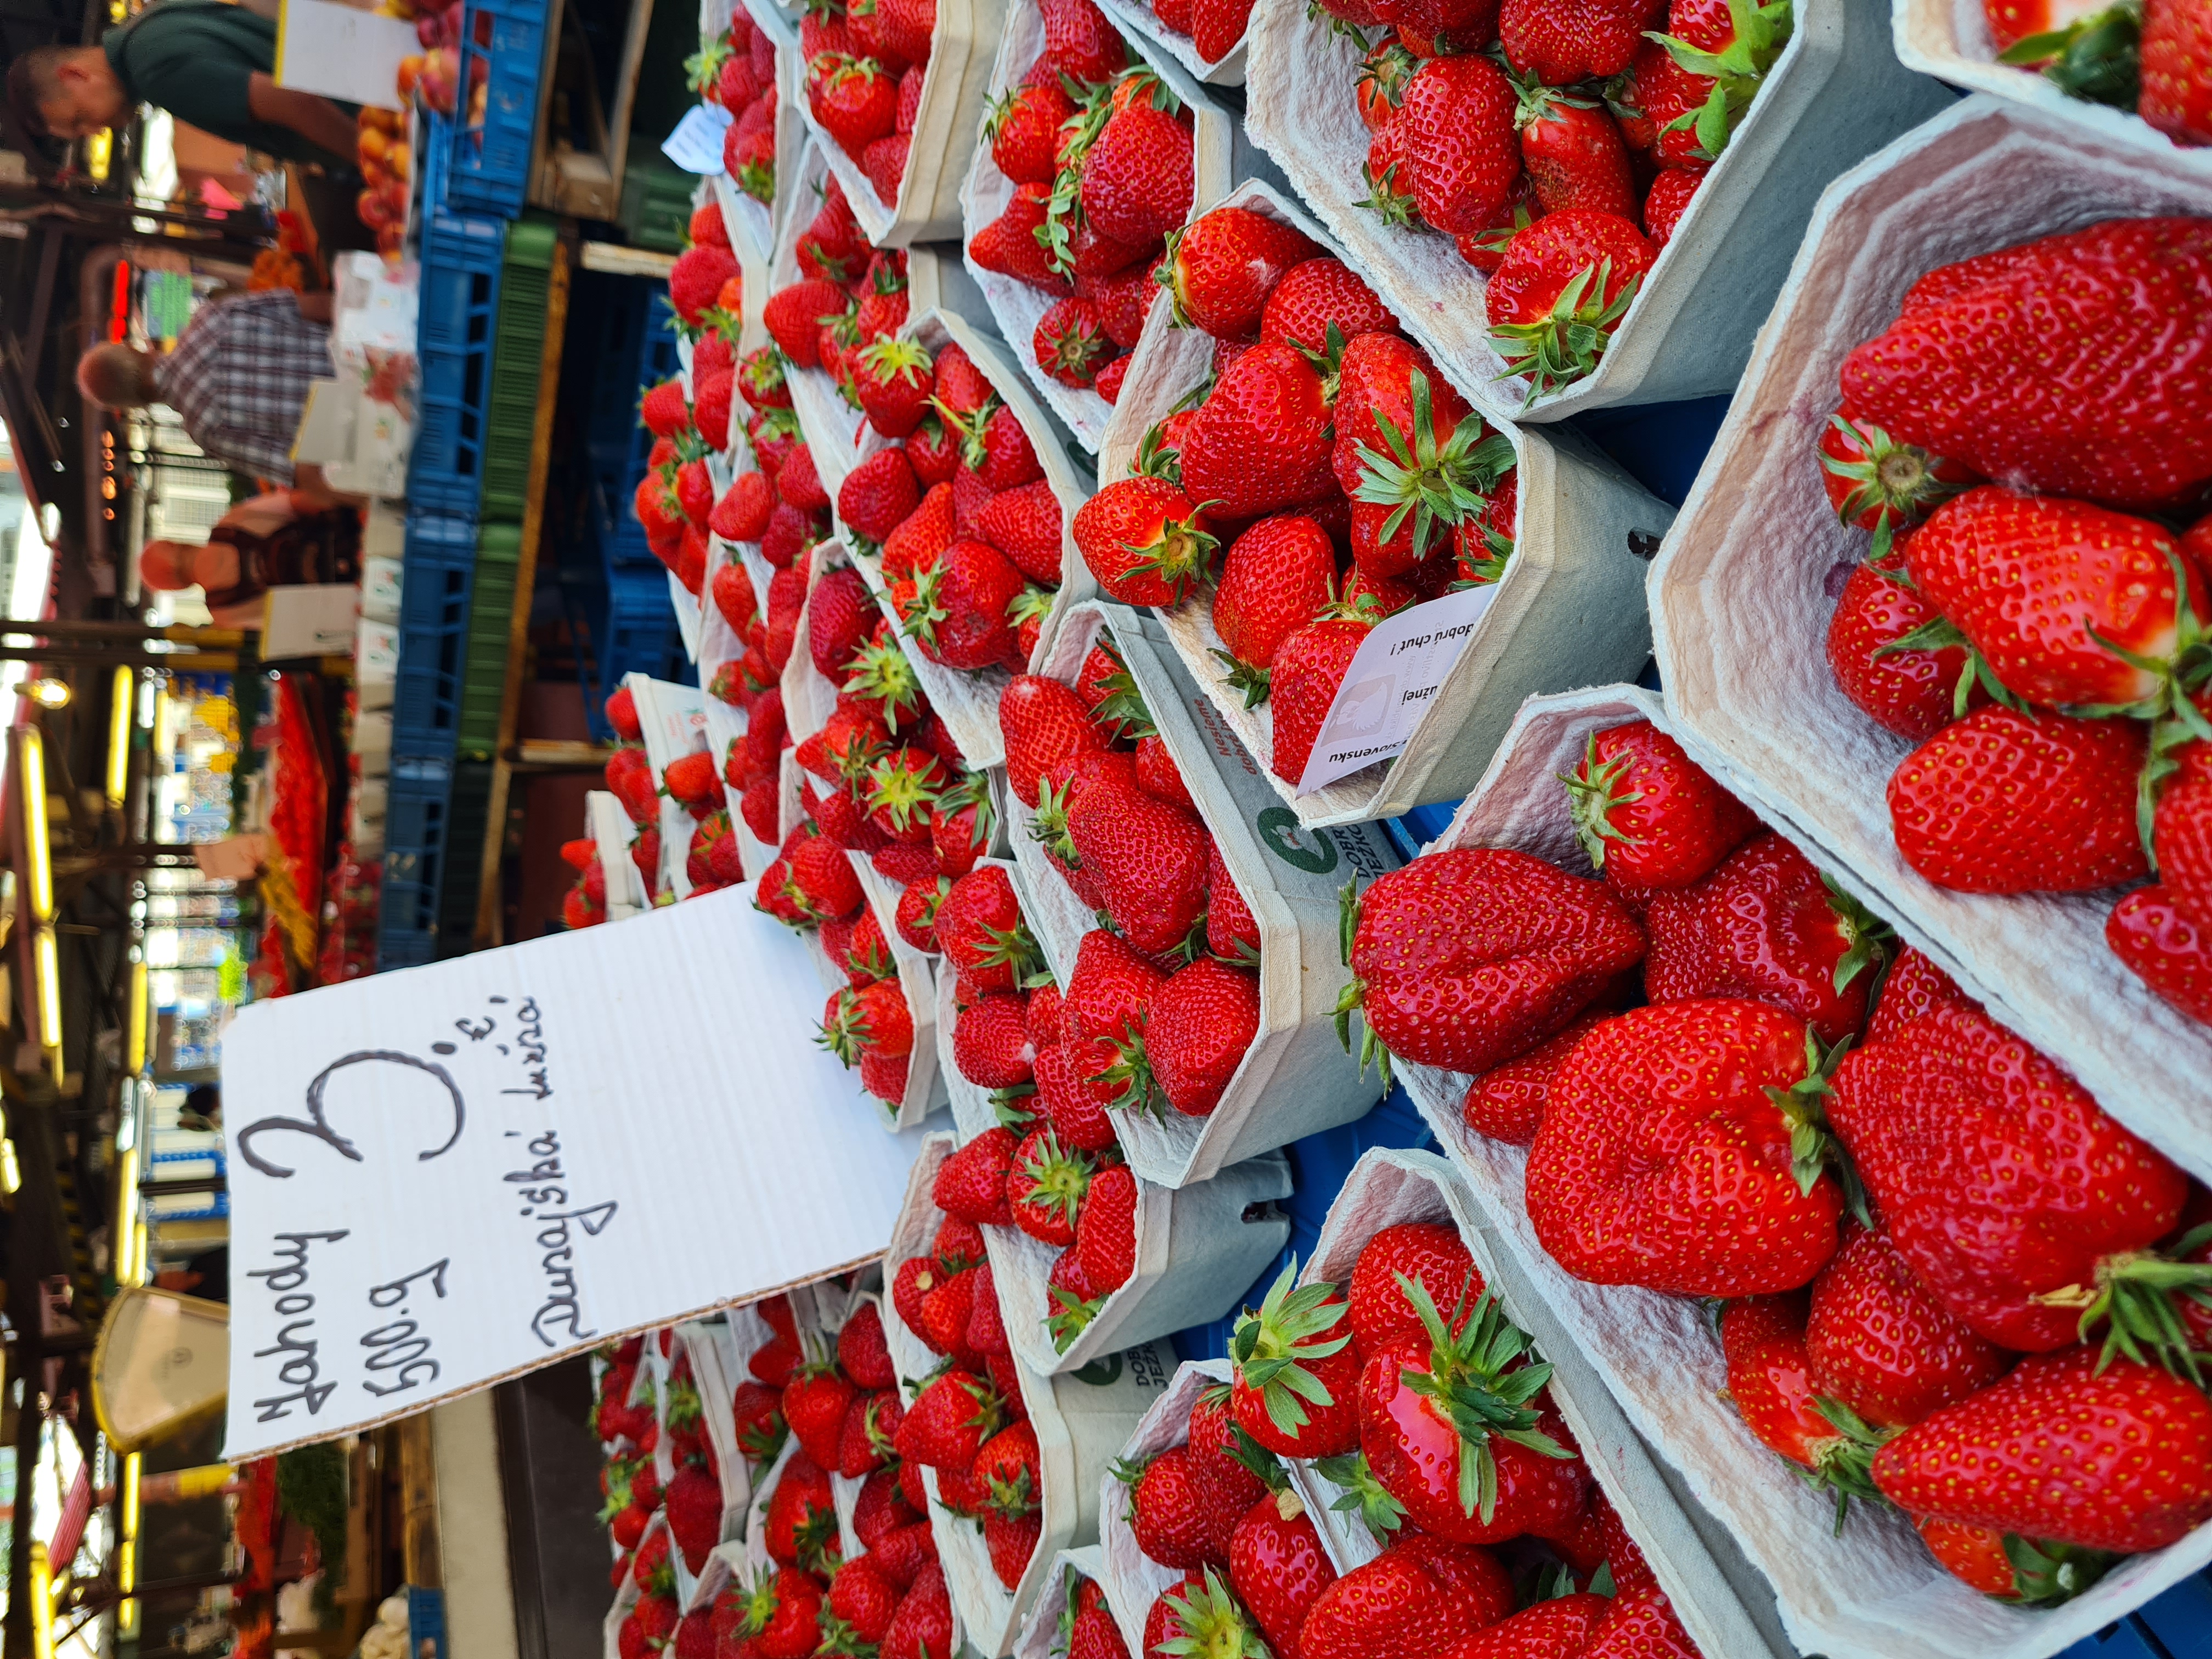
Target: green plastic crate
467,816
518,355
484,665
656,198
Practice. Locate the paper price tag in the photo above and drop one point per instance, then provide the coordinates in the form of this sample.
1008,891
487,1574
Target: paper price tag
1391,682
696,144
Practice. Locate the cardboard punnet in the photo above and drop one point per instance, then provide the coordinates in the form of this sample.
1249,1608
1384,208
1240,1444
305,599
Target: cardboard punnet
711,1352
1741,596
1951,40
1015,305
672,720
1872,1592
1732,1615
1566,610
1836,94
970,701
625,1600
1136,18
610,831
1296,1079
1133,1580
1040,1635
753,224
928,205
1081,1420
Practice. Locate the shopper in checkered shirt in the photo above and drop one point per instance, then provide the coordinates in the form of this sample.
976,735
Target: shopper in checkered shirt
238,378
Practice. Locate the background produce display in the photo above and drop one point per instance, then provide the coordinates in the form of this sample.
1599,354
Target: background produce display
1708,1326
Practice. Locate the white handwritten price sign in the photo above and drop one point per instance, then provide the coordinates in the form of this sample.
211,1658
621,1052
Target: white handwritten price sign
448,1176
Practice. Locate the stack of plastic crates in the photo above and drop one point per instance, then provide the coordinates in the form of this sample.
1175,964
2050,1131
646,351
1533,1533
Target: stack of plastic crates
485,169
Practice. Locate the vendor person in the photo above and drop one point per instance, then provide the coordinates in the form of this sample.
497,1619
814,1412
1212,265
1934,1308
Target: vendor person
209,62
239,377
277,540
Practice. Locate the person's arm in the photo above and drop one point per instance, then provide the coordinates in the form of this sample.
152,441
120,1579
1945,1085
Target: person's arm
314,117
316,307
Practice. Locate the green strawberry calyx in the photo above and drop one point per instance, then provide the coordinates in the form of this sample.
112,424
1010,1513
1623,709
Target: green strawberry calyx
1813,1148
1353,997
1844,1466
1592,791
901,791
1564,344
1760,31
1270,1347
1071,1316
2136,1296
2045,1574
1362,1495
1130,1078
2098,57
1056,1181
879,673
1250,680
1213,1623
1868,936
1436,484
1481,1380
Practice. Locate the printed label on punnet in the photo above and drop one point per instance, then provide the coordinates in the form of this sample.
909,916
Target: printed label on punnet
1391,682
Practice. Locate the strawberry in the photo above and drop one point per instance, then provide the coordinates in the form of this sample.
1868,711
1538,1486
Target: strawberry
1074,1304
1023,127
774,434
1560,1628
946,1308
916,918
822,883
971,1184
1089,1632
1468,959
760,380
1080,43
1979,336
1197,1031
2162,944
1148,860
1559,47
1413,455
870,1019
1564,284
1276,577
1910,690
1457,124
862,1601
1070,342
1766,927
711,412
1309,664
1646,814
815,1402
981,933
1076,1108
1296,1390
1199,1615
1010,244
923,1626
902,792
854,99
878,494
802,1517
1769,1383
1879,1342
1603,1539
1425,1254
1261,442
2067,604
2003,802
1045,1187
776,1612
1914,986
2177,89
693,1501
998,451
883,163
622,714
1574,154
1169,1511
1873,480
1507,1102
1316,297
1024,524
1145,541
1222,268
695,280
2065,1244
2008,1566
1698,82
2055,1451
1041,721
1400,1604
1005,1467
1105,1002
757,1412
1106,1230
1011,1540
950,1420
1450,1429
793,317
1727,1194
1279,1568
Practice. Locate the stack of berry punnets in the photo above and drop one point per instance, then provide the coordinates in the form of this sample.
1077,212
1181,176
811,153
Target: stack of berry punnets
1627,1508
2128,50
1270,902
1743,593
1070,1619
1574,529
767,132
968,546
1178,1254
672,726
703,1499
1078,1421
1835,93
1872,1588
731,700
607,823
892,98
1031,189
700,1405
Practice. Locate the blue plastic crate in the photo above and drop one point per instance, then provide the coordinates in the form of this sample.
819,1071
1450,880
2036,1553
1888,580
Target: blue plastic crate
486,169
625,624
417,814
437,578
457,305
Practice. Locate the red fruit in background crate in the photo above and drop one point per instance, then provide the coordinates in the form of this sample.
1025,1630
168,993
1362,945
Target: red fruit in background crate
1145,541
1911,692
1468,959
883,163
1507,1102
1457,124
1041,721
1565,282
922,1627
1877,1339
1011,1540
1427,1254
1076,1108
862,1599
1319,295
1222,268
1766,927
950,1420
1709,1181
1983,336
1197,1031
1260,443
2037,1263
1297,1387
1091,1630
1646,814
2057,1451
1106,1230
1400,1604
2003,802
1215,26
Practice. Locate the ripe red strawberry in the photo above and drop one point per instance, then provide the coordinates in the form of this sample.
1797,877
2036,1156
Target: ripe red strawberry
950,1420
1769,1383
2163,945
853,97
1041,721
1297,1375
1145,540
1070,342
1399,1603
693,1501
1105,1002
2055,1451
1025,524
1562,46
996,448
1080,43
1197,1031
1148,860
1873,480
794,313
1423,1253
1646,814
1045,1188
1023,129
1276,577
1574,154
1279,1568
861,1350
1106,1230
1089,1630
1914,986
1457,124
923,1626
1766,926
862,1600
1911,691
695,280
1468,959
1728,1195
2041,1262
1879,1341
1009,246
1564,283
815,1402
802,1517
971,1184
2000,802
1317,295
774,1615
1507,1102
1979,336
902,793
892,380
1011,1540
1224,267
878,494
1169,1511
2050,592
981,933
760,380
1562,1626
1309,664
870,1019
1262,441
2177,89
